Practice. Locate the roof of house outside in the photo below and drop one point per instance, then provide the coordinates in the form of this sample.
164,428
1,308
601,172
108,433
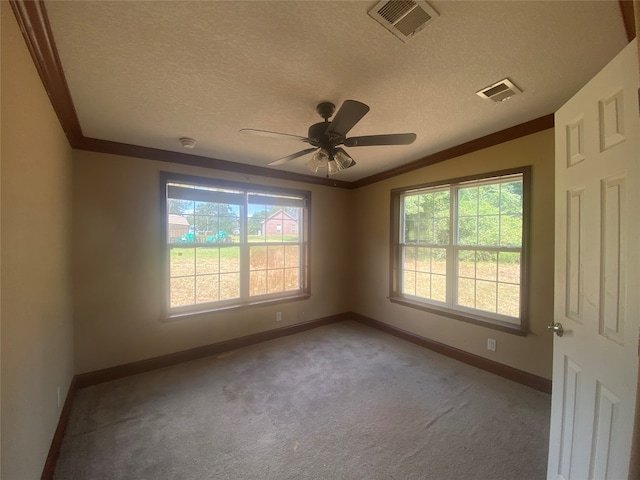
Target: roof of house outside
175,219
276,213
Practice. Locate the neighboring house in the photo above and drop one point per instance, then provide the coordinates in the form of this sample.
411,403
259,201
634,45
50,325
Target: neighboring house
280,222
178,226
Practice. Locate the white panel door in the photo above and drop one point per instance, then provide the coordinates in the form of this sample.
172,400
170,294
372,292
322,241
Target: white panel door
597,266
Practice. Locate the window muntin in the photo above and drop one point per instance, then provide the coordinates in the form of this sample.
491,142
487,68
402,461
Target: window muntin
459,246
224,247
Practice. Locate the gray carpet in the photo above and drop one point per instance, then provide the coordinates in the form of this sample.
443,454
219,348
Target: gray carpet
343,401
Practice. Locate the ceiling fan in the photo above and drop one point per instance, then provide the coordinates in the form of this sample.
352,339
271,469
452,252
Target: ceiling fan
324,137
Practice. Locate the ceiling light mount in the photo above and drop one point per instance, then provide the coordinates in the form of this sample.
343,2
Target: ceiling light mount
326,110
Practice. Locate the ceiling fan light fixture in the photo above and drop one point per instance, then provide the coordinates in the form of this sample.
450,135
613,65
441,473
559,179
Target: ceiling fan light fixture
318,161
342,159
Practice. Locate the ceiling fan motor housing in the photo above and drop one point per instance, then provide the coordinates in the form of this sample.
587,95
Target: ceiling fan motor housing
319,136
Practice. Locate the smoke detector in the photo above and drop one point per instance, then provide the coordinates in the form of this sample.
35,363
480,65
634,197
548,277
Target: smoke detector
403,18
187,142
499,91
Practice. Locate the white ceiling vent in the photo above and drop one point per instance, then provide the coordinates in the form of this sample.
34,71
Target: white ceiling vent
499,91
403,18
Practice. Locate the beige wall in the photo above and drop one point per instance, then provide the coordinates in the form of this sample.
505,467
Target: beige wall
117,256
37,330
117,294
532,353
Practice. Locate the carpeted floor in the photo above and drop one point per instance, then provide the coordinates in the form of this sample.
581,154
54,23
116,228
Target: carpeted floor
343,401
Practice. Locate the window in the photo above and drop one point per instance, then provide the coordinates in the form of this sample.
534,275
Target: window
458,248
225,245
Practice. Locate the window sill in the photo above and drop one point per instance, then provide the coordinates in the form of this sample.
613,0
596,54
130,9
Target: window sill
238,306
462,316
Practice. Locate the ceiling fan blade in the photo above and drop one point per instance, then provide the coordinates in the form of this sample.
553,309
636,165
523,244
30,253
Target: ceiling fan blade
391,139
293,156
266,133
349,114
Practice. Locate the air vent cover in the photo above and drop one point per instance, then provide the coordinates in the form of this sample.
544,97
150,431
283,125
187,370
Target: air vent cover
403,18
499,91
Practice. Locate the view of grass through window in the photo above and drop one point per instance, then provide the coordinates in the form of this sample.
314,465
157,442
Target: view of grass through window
461,245
228,246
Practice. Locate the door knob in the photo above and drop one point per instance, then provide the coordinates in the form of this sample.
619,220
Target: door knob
556,328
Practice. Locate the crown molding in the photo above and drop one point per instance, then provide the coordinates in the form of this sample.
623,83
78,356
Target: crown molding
628,18
34,23
533,126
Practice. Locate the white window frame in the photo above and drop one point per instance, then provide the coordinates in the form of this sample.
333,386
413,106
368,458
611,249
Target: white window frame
242,195
449,307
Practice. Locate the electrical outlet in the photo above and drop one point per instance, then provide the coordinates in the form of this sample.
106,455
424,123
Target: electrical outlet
278,316
59,398
491,344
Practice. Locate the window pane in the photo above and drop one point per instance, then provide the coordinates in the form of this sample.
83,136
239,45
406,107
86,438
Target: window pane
511,230
182,291
441,205
441,231
509,267
468,231
489,199
426,205
409,258
486,296
439,261
409,282
274,223
273,227
486,265
291,279
275,281
425,230
466,292
439,288
468,201
423,285
207,261
423,259
182,262
411,229
207,289
275,256
467,263
509,299
255,223
229,286
425,219
511,198
411,206
488,230
257,282
477,279
229,259
177,222
292,256
258,258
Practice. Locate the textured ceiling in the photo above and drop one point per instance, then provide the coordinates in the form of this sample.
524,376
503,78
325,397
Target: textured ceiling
149,72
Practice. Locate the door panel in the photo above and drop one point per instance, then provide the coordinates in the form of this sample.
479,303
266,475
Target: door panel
596,276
